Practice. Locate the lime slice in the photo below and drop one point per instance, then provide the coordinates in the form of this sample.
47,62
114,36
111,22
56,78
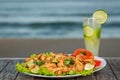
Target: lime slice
88,31
97,32
35,69
30,63
89,66
100,16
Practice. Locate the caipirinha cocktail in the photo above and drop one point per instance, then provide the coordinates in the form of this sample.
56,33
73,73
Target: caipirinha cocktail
92,30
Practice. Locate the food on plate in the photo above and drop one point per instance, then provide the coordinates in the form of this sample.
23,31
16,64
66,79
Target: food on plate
97,63
59,64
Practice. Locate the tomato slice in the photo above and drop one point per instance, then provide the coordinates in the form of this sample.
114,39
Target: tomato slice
84,54
80,50
76,52
97,63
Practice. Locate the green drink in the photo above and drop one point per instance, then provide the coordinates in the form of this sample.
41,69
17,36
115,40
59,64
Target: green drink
92,31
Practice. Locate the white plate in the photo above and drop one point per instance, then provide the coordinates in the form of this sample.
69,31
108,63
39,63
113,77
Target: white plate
103,64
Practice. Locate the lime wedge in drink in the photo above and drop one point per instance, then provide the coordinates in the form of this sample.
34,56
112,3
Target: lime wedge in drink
88,31
97,32
100,16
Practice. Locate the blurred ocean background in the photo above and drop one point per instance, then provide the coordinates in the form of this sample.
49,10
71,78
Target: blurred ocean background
55,18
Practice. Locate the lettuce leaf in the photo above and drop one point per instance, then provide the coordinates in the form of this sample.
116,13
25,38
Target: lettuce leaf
45,71
72,72
21,68
83,73
86,72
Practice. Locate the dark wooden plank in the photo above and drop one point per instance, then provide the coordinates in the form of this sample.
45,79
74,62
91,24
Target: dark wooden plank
3,64
22,76
111,72
9,72
115,65
105,74
38,78
91,77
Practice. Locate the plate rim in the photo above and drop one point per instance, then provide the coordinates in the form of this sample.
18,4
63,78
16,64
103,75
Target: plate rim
104,63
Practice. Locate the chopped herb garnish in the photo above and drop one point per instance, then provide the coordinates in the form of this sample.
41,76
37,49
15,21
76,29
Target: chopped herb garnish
84,53
33,55
39,63
48,54
68,62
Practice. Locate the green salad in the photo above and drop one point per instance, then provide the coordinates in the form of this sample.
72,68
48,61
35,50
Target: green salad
58,64
45,71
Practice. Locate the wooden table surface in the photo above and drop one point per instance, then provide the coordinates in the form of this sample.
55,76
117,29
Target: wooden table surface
110,72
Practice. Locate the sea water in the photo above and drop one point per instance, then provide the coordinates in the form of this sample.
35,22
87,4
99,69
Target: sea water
54,18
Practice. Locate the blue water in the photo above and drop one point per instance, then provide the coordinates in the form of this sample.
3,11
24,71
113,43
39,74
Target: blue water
54,18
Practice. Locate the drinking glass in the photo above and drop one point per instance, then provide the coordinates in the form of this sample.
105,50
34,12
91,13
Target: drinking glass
92,31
